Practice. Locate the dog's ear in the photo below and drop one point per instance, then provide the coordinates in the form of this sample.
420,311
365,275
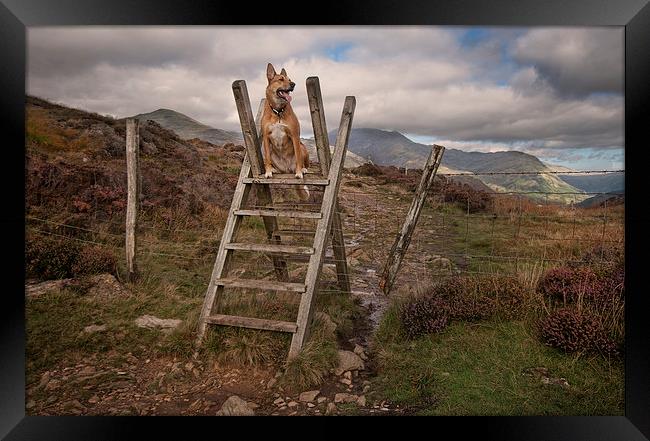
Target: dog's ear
283,72
270,71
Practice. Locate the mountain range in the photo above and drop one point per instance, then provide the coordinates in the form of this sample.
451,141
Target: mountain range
393,148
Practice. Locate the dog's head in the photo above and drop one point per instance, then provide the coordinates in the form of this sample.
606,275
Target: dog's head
279,88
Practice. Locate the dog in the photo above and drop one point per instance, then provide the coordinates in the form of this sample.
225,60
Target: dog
283,150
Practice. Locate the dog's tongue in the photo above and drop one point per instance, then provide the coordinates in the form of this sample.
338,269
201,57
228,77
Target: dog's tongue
286,96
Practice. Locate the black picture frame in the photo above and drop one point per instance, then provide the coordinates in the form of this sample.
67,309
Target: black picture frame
16,15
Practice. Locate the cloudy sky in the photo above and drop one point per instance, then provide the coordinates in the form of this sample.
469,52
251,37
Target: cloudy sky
556,93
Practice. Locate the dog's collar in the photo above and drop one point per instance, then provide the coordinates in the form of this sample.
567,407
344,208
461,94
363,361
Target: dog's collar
278,112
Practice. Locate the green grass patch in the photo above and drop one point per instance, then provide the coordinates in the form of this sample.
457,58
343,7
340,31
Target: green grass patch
481,369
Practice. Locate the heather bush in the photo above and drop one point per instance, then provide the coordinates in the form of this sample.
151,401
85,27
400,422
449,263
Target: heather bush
572,330
567,284
423,314
463,298
50,258
94,260
506,294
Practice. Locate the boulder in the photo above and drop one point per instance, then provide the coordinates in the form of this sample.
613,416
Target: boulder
235,406
105,286
348,361
345,398
326,321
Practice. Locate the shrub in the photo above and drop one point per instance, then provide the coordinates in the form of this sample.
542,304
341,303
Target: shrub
572,330
94,260
567,284
506,294
423,315
463,299
50,258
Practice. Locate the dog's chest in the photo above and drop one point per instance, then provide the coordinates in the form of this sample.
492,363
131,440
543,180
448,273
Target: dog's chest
278,134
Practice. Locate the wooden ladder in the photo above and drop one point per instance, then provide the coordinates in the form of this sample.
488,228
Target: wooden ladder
328,221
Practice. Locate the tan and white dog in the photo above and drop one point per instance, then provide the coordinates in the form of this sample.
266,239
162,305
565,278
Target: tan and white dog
283,150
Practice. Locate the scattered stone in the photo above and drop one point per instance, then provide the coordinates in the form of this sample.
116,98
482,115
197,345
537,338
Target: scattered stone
94,328
94,399
252,405
271,383
106,286
360,351
331,409
279,402
36,289
30,404
346,381
295,412
292,404
348,361
235,406
321,400
53,384
361,401
310,405
45,378
309,395
347,375
345,398
153,322
189,366
557,381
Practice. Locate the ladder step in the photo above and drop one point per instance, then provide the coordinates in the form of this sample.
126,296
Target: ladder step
294,232
280,213
250,322
291,180
329,260
269,248
261,284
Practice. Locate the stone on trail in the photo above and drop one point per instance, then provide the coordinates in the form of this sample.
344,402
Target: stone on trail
345,398
348,361
94,328
309,395
235,406
331,408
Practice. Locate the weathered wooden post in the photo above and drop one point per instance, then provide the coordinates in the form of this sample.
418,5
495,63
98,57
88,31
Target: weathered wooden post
133,190
403,239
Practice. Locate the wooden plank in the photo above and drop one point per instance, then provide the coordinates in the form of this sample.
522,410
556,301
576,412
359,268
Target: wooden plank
324,157
221,263
250,130
307,180
323,228
133,192
295,232
403,239
250,322
251,140
279,213
269,248
261,284
329,260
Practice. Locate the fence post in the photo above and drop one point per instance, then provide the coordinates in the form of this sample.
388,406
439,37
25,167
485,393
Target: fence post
403,239
133,189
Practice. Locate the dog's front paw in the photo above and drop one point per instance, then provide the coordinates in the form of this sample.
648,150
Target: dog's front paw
299,175
268,174
304,170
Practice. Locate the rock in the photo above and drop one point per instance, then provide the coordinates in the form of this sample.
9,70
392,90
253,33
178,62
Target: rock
94,399
310,405
326,321
271,383
361,401
345,398
279,402
292,404
353,261
331,409
30,404
321,399
308,396
53,385
360,351
347,375
557,381
36,289
366,389
346,381
348,361
152,322
253,405
45,378
94,328
105,286
235,406
442,263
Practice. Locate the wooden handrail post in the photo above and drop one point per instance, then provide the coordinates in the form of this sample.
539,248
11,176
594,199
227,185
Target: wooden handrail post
133,192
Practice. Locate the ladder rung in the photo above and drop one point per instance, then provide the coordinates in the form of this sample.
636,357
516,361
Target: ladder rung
261,284
294,232
269,248
250,322
280,213
305,258
307,180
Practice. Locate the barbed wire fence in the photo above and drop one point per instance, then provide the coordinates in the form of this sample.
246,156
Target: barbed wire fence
478,232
